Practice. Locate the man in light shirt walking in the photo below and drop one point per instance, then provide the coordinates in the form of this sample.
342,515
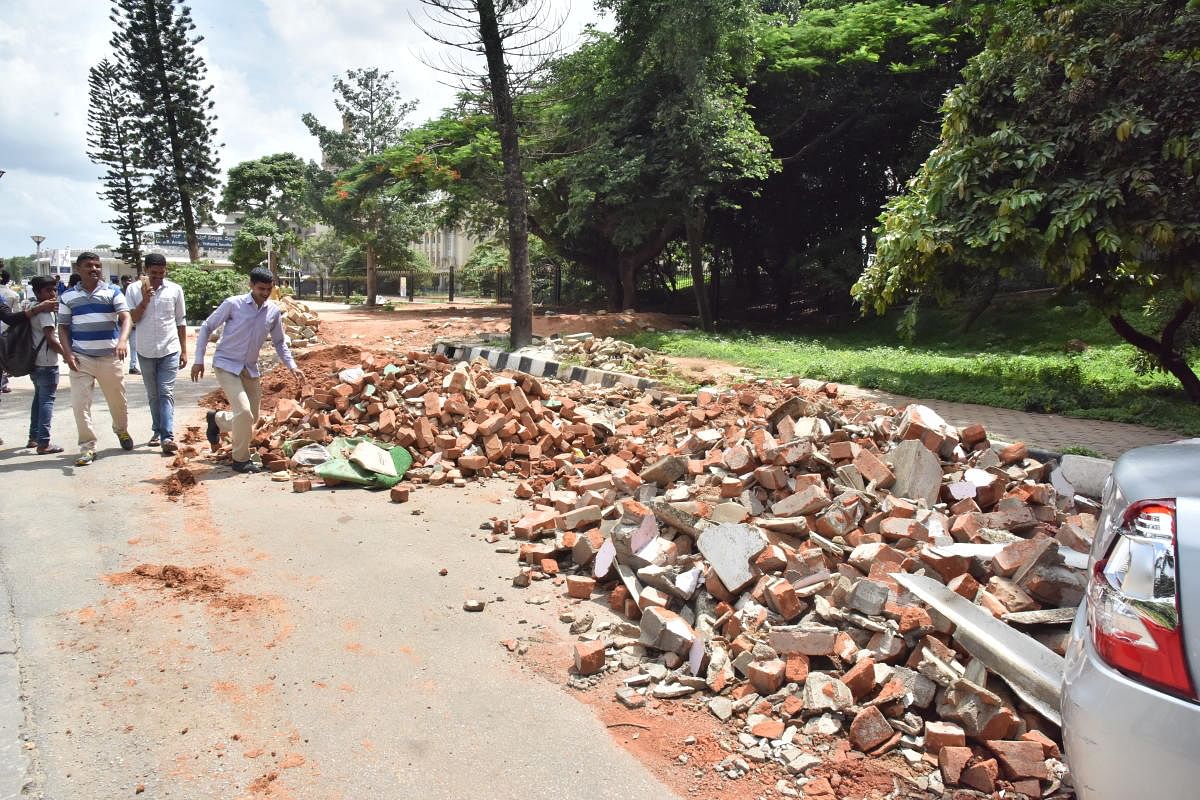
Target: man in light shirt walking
93,323
248,320
158,310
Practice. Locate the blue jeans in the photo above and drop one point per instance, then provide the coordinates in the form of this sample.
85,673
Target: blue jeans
133,356
45,387
158,374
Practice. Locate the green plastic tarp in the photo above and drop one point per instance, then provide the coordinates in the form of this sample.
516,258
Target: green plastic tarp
339,467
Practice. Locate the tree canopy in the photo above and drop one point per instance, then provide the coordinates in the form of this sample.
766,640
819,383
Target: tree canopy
1073,143
157,47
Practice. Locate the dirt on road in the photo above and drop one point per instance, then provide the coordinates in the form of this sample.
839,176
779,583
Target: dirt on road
416,327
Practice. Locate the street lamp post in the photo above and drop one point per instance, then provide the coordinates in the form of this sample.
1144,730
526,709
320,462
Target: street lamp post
38,239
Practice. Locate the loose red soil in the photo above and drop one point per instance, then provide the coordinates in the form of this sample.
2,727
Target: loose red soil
178,483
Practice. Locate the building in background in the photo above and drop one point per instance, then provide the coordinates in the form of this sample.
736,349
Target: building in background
446,248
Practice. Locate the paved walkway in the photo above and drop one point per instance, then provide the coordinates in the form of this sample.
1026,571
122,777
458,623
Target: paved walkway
1045,431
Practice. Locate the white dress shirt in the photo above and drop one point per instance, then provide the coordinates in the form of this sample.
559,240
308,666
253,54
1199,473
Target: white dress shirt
158,329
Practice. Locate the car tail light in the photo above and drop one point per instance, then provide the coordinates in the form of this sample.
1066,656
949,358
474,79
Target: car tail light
1133,602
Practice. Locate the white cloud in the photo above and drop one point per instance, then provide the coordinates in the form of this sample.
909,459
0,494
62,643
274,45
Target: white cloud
269,62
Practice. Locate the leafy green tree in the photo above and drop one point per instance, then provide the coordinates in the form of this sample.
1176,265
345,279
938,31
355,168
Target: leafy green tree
1073,143
500,31
204,290
274,190
249,250
655,128
843,90
324,252
373,114
19,266
167,77
113,144
695,58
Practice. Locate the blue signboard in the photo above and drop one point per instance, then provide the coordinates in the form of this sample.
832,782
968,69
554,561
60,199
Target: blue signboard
207,241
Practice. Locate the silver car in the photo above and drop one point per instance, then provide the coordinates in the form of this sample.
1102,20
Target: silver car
1131,716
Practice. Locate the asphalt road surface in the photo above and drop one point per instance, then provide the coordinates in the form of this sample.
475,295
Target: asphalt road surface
314,651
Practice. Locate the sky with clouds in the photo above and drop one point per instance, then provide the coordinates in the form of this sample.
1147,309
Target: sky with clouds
269,62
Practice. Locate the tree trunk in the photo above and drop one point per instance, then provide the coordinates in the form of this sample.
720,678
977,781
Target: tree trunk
515,198
612,287
981,304
781,280
627,273
694,225
1164,350
714,288
273,264
372,276
186,212
451,298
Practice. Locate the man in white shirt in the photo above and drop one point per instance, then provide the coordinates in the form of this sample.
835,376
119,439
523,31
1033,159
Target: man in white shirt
157,307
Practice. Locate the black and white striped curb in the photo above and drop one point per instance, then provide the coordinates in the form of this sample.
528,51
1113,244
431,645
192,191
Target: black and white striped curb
540,367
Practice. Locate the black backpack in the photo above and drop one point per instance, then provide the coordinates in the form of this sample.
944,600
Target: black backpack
17,353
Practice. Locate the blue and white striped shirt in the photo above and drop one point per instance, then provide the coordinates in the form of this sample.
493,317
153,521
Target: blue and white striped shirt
93,318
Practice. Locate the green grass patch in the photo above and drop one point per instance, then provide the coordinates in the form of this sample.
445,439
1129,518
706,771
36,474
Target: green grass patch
1015,357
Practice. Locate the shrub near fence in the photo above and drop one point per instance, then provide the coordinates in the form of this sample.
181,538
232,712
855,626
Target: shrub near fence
203,290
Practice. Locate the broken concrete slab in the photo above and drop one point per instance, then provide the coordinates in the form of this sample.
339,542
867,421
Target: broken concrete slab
1085,475
918,472
1033,671
729,550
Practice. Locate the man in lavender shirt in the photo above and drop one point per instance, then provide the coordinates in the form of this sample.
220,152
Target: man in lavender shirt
248,320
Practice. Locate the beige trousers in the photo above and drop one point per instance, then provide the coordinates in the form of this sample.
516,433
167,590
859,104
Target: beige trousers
244,394
106,371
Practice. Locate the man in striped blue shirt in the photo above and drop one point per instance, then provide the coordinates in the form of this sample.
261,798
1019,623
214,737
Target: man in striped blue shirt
94,324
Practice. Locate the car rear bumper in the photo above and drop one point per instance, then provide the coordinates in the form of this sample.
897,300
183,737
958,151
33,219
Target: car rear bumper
1124,740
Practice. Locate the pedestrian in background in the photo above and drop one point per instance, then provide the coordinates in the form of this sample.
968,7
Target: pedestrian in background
248,320
10,298
10,317
93,323
48,348
126,282
160,319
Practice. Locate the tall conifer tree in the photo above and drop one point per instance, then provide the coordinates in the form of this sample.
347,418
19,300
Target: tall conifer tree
167,77
112,140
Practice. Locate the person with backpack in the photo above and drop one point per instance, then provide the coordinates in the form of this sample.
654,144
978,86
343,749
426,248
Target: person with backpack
47,349
94,323
9,297
17,337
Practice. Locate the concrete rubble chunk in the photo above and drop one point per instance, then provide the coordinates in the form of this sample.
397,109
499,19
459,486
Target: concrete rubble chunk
823,692
729,550
1045,576
809,638
665,471
918,472
868,596
665,630
807,500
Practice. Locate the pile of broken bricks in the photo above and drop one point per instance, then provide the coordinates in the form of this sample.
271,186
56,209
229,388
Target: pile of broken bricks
763,545
761,561
300,322
459,421
603,353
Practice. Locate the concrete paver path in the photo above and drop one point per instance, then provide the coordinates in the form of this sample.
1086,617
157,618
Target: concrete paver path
1045,431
